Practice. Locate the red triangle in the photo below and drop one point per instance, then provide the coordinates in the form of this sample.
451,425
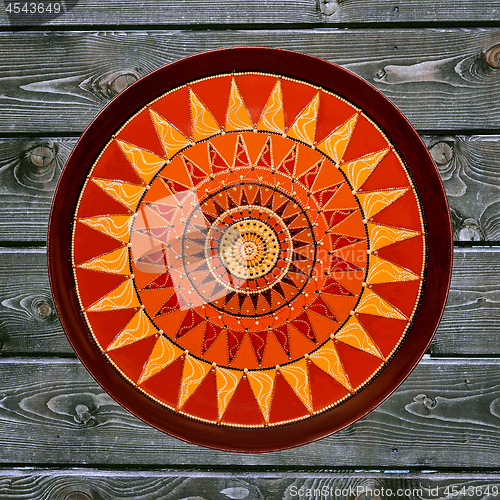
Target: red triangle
241,157
165,384
402,213
234,340
296,96
385,332
90,243
282,336
325,390
197,174
95,201
93,285
214,93
190,321
407,254
366,139
258,341
255,90
203,402
402,295
141,132
389,173
175,108
334,217
107,324
160,282
285,404
132,358
358,365
212,333
332,113
114,165
303,325
243,408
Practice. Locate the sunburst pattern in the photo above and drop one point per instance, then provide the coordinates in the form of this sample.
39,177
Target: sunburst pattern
237,253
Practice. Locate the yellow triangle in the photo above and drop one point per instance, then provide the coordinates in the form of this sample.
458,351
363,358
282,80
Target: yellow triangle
172,140
262,383
138,328
122,297
327,358
145,163
382,271
381,236
353,334
193,373
376,201
227,382
164,353
115,262
297,376
357,171
204,124
304,127
272,118
336,143
127,194
116,226
375,305
237,117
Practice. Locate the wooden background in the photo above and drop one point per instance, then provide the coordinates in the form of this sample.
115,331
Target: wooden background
62,438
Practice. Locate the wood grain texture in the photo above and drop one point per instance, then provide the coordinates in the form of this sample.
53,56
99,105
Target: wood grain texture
446,414
470,325
469,167
175,485
189,12
440,78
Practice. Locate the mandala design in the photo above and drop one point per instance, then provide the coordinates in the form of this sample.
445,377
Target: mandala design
248,250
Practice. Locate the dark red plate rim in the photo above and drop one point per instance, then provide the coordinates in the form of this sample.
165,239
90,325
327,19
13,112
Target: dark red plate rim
320,73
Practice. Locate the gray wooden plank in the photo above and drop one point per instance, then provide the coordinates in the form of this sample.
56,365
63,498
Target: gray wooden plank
470,325
469,167
91,484
440,78
445,415
196,12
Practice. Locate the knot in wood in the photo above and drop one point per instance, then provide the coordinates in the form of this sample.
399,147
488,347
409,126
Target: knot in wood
441,152
42,156
77,495
328,7
41,308
83,414
492,56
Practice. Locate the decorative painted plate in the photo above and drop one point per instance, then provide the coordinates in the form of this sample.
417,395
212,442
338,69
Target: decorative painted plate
250,249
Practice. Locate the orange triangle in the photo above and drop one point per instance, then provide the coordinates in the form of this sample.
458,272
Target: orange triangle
341,305
193,340
352,226
154,299
280,148
274,354
351,280
306,159
323,327
170,323
298,343
158,192
342,199
328,175
356,254
245,357
255,144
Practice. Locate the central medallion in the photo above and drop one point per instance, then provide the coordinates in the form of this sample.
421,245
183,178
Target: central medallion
249,249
